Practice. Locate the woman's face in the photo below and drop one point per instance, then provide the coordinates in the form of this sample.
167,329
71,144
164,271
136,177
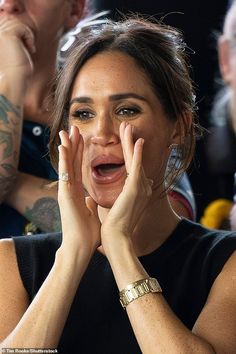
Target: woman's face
111,88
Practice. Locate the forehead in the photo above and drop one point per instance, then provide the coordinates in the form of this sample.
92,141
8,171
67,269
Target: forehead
112,68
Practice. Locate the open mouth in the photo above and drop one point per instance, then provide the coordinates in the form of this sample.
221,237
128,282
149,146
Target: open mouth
108,172
108,169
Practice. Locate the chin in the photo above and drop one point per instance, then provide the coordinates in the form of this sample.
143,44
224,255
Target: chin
106,199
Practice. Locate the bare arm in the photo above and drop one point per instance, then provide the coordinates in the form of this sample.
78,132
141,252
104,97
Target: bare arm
10,133
156,327
40,324
16,41
36,199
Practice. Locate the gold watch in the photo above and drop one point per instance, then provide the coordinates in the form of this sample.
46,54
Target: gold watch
137,289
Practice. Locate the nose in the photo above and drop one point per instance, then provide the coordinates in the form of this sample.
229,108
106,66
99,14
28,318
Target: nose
11,6
106,132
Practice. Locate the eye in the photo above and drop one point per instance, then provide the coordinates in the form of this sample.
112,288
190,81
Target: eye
82,114
129,112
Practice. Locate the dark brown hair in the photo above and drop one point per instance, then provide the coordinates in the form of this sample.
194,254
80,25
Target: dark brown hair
159,51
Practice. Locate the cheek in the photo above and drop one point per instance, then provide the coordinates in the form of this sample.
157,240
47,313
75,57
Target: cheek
155,156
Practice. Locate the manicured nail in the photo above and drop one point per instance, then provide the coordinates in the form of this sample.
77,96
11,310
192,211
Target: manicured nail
71,131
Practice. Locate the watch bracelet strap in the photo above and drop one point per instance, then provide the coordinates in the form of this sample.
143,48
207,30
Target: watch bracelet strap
137,289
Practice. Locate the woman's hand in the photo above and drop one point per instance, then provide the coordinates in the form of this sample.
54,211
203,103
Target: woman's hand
129,206
80,222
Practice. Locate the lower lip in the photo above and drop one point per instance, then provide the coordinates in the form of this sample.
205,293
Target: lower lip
113,177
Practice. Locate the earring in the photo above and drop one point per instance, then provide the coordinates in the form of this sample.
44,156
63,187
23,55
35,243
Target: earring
172,146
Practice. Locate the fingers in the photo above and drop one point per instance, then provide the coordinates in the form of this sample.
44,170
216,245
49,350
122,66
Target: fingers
62,170
65,161
78,148
136,163
74,139
28,38
70,160
14,26
127,144
133,153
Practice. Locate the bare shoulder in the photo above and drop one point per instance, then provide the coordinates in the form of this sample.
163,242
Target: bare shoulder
217,321
13,296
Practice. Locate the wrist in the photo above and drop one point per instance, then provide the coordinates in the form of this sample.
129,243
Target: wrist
68,262
8,87
73,257
117,244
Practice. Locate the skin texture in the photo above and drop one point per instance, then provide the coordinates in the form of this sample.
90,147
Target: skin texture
145,115
120,231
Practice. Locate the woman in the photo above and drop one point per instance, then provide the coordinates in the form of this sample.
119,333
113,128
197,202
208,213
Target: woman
123,101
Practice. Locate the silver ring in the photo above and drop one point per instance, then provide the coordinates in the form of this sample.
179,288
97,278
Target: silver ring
64,176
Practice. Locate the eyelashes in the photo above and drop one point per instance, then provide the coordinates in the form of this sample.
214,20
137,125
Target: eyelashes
121,113
128,111
82,115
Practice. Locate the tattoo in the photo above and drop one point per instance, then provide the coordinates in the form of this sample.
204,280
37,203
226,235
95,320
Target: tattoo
6,107
6,181
6,138
9,169
45,215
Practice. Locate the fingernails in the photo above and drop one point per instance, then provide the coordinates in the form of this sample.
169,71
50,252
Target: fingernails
60,134
71,131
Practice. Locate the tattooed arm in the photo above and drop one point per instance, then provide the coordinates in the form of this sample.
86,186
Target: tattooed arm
10,135
16,67
34,198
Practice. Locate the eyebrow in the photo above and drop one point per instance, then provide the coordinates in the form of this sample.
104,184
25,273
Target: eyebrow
117,97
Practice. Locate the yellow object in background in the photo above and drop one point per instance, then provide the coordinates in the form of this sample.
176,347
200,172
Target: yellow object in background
216,214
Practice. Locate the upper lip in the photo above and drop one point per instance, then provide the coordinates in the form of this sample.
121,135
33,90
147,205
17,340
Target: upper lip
106,159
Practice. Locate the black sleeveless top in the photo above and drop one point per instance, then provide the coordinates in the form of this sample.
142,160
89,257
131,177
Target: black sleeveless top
186,265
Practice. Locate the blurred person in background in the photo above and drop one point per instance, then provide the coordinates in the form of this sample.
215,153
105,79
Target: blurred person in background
221,141
30,32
